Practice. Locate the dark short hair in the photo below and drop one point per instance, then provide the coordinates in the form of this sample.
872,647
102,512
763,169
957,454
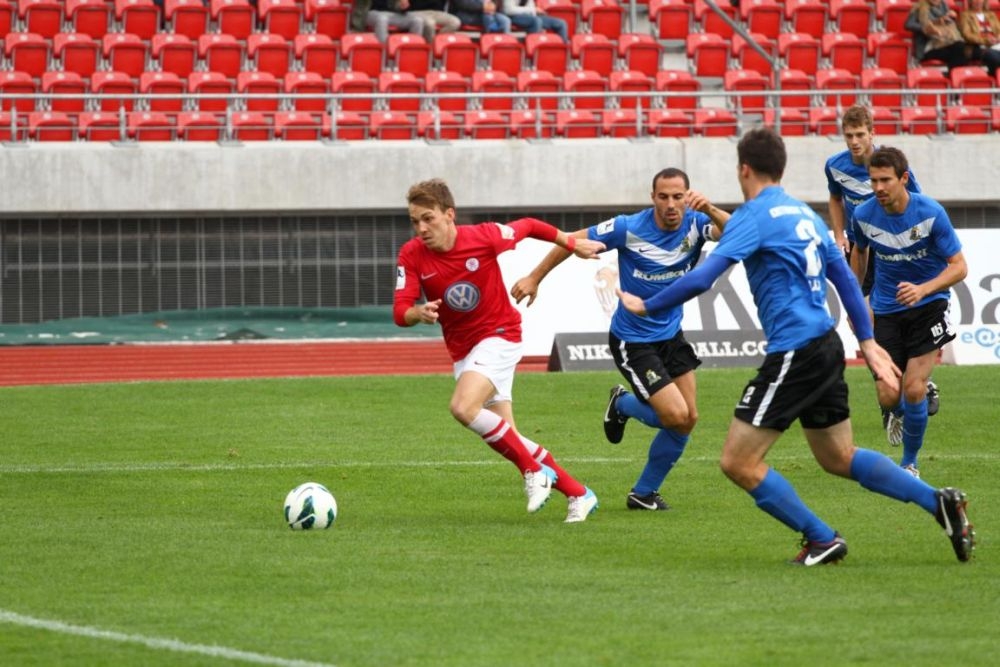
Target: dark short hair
433,193
763,150
672,172
888,156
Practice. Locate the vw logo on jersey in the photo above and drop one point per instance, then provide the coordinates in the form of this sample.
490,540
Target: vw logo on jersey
462,296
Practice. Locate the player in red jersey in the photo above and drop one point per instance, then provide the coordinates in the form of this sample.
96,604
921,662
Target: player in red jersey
456,268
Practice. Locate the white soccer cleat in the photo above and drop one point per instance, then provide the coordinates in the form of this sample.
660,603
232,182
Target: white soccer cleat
580,507
894,430
538,487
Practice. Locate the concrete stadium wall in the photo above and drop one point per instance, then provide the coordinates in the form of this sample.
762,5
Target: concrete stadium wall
191,178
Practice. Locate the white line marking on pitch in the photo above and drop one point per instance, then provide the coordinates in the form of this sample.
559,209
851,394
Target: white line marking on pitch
153,642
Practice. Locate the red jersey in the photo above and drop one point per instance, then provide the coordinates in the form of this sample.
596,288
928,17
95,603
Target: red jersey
467,279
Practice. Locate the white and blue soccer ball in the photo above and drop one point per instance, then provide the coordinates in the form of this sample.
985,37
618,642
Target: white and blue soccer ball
310,506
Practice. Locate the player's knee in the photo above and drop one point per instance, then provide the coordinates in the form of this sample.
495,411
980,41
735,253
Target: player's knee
463,414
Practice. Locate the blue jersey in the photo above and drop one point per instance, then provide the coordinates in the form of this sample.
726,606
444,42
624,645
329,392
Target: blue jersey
851,182
785,248
650,258
912,246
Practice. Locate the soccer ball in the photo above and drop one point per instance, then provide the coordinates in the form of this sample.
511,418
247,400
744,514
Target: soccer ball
310,506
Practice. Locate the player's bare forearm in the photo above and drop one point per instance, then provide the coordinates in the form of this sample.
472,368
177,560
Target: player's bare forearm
699,202
423,313
910,294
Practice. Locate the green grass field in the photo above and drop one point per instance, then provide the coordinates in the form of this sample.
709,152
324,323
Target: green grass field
141,525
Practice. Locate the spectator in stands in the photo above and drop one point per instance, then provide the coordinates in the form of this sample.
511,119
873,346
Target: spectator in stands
436,19
980,26
483,13
381,15
936,35
526,16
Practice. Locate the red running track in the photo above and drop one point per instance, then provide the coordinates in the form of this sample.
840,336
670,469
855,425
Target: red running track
73,364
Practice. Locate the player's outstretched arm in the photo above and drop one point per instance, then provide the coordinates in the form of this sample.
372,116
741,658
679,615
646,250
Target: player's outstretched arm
684,288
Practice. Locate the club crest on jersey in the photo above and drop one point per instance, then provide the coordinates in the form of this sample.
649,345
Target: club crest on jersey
472,264
400,277
915,234
463,296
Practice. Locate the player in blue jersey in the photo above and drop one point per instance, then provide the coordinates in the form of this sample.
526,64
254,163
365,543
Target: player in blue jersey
918,257
849,185
655,246
789,254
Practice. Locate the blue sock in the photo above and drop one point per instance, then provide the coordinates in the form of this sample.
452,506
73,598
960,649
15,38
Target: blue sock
876,472
629,404
776,496
914,427
664,451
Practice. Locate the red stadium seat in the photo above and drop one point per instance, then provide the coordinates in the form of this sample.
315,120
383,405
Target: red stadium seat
456,53
27,52
13,126
269,52
114,83
797,81
401,83
577,123
834,79
892,14
584,81
392,125
281,17
603,17
844,50
101,126
622,81
794,122
486,125
714,123
708,54
221,53
746,81
328,17
317,53
251,126
17,83
501,52
174,53
448,83
65,83
853,16
547,51
51,126
975,88
676,82
76,53
162,83
306,83
747,57
808,16
233,17
42,17
345,126
670,123
439,125
640,52
298,126
593,52
928,78
824,121
150,126
531,124
494,83
138,17
621,123
186,17
885,121
711,22
881,78
889,50
541,82
210,83
90,17
125,52
921,120
259,83
762,16
672,19
362,52
409,53
800,51
199,126
356,89
8,16
567,10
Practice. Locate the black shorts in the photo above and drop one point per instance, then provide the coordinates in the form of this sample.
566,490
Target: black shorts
649,367
914,332
805,384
